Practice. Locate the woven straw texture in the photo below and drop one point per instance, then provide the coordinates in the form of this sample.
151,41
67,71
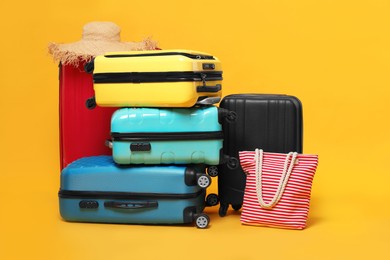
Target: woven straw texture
97,39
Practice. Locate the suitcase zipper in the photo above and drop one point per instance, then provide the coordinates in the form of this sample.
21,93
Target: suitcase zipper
191,56
170,136
150,77
74,194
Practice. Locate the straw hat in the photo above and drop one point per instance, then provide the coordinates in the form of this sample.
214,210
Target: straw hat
97,39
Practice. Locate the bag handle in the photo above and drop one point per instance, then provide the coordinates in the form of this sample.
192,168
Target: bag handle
287,169
131,205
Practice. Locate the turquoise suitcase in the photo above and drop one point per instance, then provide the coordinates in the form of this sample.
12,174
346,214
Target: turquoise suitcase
95,189
168,136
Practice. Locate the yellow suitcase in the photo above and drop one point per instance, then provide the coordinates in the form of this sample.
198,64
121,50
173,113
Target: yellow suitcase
163,78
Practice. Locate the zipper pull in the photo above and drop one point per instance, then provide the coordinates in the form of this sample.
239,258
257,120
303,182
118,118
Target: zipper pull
203,76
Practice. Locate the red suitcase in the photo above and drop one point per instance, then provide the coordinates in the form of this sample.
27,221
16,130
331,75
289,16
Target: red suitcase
82,131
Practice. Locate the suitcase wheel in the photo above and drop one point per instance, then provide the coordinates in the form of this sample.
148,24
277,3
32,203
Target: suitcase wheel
231,117
89,67
202,220
226,115
90,103
108,143
223,209
232,163
212,171
236,207
203,181
212,200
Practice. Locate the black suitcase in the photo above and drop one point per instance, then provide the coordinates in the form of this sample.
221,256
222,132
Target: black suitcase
270,122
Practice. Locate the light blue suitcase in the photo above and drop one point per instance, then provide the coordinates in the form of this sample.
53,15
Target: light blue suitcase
168,136
95,189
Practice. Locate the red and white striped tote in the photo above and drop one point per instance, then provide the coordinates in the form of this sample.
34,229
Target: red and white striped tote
278,186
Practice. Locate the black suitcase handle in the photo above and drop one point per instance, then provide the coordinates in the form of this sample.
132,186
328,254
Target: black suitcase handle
131,204
209,89
140,147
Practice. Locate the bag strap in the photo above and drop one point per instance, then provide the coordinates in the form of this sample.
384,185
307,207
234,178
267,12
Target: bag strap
287,169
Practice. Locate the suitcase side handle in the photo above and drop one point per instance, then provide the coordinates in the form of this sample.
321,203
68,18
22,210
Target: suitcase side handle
140,147
209,89
131,204
195,56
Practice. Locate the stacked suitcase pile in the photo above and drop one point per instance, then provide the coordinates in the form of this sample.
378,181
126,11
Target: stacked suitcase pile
165,135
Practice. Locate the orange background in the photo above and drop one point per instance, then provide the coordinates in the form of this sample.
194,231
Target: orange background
333,55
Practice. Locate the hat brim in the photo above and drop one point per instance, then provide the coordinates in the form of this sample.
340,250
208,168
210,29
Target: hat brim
85,50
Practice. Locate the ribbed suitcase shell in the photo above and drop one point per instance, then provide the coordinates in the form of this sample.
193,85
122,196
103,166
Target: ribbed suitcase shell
147,121
176,92
97,181
270,122
82,131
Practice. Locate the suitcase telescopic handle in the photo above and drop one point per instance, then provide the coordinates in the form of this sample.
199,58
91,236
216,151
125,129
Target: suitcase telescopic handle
131,204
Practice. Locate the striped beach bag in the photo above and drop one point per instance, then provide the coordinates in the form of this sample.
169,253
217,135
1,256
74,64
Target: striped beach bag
278,187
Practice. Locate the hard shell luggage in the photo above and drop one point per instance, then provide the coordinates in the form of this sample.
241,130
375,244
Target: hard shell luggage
164,78
79,136
95,189
169,136
269,122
